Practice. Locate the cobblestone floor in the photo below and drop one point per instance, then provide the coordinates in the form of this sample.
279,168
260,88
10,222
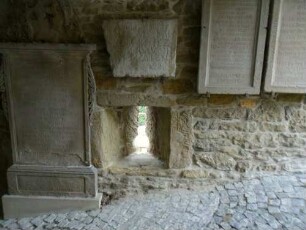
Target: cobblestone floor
274,202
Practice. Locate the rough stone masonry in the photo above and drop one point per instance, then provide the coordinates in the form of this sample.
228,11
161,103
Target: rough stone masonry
226,137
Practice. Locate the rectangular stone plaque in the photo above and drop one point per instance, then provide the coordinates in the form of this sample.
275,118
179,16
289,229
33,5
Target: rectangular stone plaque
48,104
232,46
286,72
142,47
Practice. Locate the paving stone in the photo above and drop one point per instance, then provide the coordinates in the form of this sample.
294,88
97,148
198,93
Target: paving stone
248,204
50,218
274,202
25,223
230,186
252,207
273,210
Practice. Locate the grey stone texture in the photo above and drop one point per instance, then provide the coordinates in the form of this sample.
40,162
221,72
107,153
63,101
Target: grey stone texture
286,71
259,203
229,65
50,104
142,47
22,206
230,136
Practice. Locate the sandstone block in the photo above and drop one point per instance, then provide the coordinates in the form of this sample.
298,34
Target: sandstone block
177,86
267,111
181,139
215,160
225,114
248,103
221,100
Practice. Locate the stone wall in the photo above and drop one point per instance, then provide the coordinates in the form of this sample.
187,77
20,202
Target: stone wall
217,137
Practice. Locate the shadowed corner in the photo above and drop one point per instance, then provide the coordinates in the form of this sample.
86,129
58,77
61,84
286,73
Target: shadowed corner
5,147
5,156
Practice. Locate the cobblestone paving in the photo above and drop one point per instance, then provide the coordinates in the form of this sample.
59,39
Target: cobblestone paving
275,202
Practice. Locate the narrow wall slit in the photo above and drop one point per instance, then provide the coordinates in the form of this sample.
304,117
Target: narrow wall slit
135,136
141,154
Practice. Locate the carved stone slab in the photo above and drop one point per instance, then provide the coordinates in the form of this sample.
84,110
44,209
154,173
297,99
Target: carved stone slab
47,88
232,46
142,48
286,72
52,181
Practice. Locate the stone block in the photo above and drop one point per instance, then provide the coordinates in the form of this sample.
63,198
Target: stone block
195,173
106,84
221,100
181,139
111,137
297,119
229,65
163,132
290,98
220,113
248,103
215,160
177,86
269,111
192,100
106,99
22,206
96,139
142,48
51,91
148,5
52,181
286,72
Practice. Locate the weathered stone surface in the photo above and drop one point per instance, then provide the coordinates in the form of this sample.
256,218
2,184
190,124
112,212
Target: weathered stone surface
264,203
177,86
149,5
248,103
50,119
112,138
96,137
243,166
273,127
192,101
119,99
181,139
268,110
229,65
226,113
286,71
141,48
106,84
291,98
130,122
256,144
163,133
216,160
221,100
297,119
195,173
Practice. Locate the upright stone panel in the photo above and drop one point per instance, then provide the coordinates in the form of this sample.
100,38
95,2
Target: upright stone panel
50,91
286,72
232,46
